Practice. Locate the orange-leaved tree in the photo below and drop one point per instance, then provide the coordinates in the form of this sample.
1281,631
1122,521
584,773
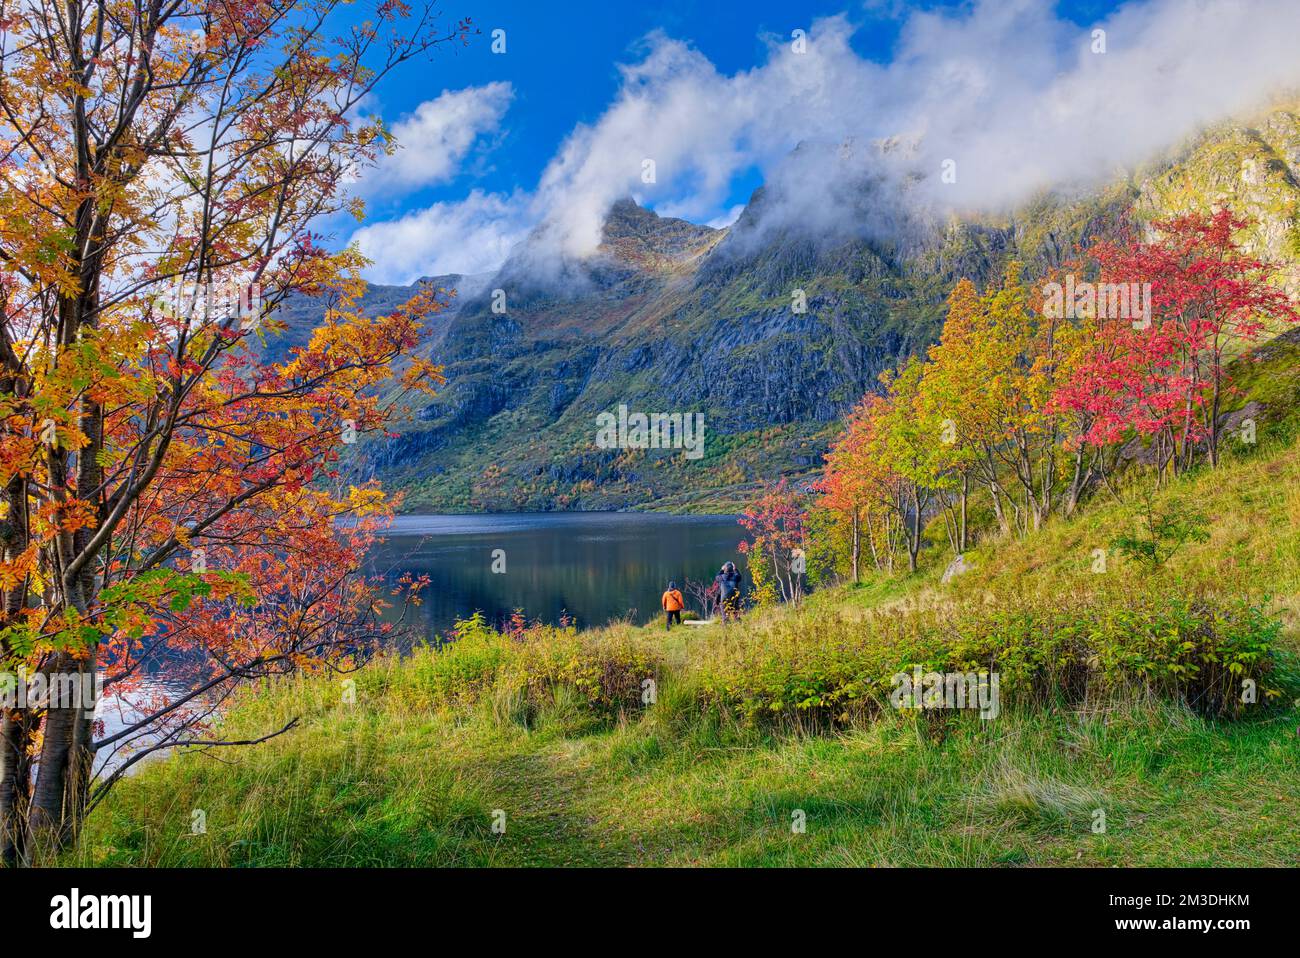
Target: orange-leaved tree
859,491
169,494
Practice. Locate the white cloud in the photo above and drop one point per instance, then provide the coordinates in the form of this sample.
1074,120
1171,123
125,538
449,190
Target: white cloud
434,140
1004,88
727,218
471,236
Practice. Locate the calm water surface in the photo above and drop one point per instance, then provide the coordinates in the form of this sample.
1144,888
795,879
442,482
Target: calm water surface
592,566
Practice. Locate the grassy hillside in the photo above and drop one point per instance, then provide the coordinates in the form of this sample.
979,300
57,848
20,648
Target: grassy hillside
1119,695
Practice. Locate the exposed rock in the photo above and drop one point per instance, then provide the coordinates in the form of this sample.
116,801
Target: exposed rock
956,567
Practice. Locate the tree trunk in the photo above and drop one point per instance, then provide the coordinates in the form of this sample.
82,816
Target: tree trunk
1076,483
16,732
1213,437
914,540
856,545
948,509
871,541
60,796
81,761
965,495
17,726
988,477
1004,524
45,821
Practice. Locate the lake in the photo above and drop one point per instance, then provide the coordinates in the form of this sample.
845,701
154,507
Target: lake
592,566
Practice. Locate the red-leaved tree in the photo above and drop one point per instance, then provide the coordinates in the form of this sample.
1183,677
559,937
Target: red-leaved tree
1165,381
774,520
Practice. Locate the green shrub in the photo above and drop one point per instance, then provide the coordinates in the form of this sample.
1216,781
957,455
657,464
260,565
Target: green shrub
826,669
1216,656
522,672
458,671
608,670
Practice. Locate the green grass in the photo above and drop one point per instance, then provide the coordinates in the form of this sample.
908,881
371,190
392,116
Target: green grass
753,724
412,773
376,785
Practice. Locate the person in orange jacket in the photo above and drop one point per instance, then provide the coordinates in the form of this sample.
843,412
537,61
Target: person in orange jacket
673,604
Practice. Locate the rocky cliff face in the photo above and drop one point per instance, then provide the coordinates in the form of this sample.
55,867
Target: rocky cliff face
771,334
1253,167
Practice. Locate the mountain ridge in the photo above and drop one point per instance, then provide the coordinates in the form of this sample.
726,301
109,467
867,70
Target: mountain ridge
772,339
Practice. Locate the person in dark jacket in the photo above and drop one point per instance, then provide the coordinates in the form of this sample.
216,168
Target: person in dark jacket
728,581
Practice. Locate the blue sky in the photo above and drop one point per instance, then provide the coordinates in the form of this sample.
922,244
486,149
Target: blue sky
563,66
495,143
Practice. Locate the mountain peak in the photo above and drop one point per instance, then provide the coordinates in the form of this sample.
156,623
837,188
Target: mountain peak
634,234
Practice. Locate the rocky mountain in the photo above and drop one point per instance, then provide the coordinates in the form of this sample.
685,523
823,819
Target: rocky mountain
771,332
299,314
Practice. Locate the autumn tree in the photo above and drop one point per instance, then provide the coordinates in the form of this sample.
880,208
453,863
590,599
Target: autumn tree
860,492
774,520
952,395
845,488
166,491
1163,379
1022,382
1035,387
908,446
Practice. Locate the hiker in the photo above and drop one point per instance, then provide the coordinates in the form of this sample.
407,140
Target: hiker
728,581
672,605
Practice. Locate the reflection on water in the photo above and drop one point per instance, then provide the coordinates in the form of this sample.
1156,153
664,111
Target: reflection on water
119,710
594,566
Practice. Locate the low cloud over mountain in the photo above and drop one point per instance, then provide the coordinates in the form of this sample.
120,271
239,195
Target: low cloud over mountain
976,110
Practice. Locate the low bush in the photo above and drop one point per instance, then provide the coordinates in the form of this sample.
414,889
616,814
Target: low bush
608,670
821,667
521,671
1218,656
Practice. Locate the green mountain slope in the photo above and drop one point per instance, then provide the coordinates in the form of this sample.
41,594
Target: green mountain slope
673,317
